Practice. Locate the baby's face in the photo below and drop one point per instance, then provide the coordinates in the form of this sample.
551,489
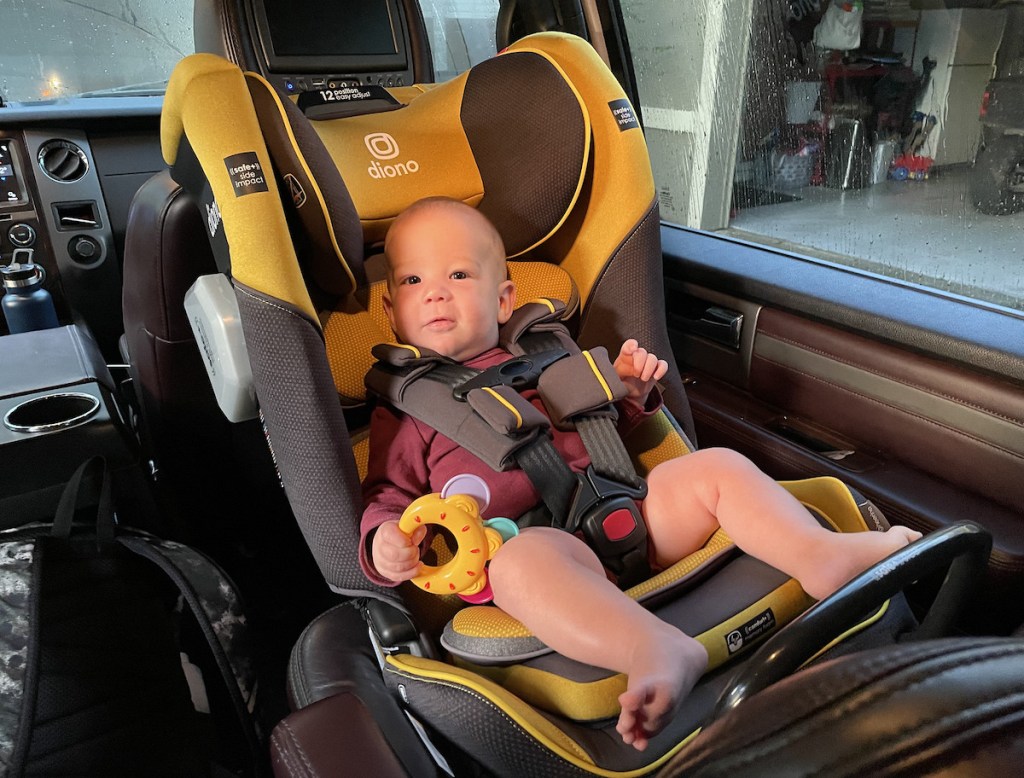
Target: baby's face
447,289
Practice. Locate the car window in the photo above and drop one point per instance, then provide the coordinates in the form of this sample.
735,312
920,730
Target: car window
848,132
53,49
461,33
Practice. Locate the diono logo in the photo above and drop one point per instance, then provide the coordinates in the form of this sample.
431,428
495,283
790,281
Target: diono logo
383,146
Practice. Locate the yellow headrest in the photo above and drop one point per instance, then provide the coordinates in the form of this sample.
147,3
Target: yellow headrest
511,136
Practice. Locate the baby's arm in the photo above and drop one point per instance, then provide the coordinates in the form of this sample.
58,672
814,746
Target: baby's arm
638,369
396,475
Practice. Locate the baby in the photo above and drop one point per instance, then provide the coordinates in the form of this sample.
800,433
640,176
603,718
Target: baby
448,291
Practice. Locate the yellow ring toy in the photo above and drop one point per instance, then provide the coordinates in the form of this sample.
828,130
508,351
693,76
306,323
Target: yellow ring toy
465,573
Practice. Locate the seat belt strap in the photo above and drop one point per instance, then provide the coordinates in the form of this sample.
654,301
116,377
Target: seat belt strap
607,452
551,477
539,459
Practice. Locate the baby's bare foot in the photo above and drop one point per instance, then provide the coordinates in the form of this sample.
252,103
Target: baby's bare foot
849,554
660,677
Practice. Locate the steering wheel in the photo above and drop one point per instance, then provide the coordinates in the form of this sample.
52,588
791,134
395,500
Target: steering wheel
963,549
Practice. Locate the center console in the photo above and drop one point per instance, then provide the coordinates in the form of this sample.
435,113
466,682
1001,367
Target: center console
57,408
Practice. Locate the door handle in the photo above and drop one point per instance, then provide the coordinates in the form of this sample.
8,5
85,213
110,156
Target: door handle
712,322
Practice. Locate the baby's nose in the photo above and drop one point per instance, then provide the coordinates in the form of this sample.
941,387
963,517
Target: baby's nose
435,292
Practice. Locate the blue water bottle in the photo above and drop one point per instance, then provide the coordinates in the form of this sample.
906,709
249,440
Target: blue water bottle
27,306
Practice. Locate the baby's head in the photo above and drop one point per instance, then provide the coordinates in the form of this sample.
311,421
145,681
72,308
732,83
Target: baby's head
448,287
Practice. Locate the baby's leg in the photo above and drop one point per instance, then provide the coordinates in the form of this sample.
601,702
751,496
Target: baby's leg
555,585
689,497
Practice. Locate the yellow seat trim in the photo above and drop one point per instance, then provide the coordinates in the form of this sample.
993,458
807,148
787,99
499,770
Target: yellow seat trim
547,734
208,102
830,498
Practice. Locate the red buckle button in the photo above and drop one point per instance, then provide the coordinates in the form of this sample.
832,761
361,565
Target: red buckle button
618,524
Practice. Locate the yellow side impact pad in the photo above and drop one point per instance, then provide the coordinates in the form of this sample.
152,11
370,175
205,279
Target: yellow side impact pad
621,189
207,100
312,181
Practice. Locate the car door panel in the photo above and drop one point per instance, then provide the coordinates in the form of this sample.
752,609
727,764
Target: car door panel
809,392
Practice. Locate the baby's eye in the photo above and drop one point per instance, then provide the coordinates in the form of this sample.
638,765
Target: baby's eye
409,280
460,275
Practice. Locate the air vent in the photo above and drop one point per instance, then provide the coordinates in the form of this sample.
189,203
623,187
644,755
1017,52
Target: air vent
62,161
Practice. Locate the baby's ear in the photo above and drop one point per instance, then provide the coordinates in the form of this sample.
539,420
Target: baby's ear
388,309
506,301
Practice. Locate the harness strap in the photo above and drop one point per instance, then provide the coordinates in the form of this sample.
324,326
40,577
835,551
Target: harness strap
550,476
536,455
595,423
484,413
607,452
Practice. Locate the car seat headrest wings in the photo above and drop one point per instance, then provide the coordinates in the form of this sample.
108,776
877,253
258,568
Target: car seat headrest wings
208,107
330,226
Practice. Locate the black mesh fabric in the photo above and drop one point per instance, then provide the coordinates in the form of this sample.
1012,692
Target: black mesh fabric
481,730
307,433
628,301
530,163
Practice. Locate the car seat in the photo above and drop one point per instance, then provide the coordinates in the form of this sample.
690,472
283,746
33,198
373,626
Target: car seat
580,222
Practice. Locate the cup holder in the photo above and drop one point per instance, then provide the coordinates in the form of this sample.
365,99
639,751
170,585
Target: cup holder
52,412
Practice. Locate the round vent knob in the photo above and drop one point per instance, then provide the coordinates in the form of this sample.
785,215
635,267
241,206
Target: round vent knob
62,161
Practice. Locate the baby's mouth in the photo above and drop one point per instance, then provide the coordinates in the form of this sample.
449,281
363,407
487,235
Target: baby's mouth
440,323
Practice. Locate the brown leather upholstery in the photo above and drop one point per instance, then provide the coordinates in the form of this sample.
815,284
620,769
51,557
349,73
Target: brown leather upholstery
335,736
166,249
947,707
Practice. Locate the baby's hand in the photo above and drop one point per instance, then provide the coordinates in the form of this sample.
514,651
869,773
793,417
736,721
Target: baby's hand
638,370
396,556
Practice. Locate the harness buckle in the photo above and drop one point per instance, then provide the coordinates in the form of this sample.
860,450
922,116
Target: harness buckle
519,373
607,514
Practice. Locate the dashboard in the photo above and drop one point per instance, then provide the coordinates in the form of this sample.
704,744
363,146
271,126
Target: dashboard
68,173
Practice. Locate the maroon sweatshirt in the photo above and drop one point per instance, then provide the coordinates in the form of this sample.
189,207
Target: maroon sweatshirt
409,459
